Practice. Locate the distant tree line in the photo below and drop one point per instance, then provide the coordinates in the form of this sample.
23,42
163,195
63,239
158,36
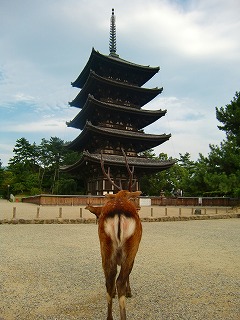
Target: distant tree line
34,169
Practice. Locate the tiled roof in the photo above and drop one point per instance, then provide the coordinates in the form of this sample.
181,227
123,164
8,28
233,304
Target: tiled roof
147,72
118,160
127,133
133,161
140,118
95,82
140,140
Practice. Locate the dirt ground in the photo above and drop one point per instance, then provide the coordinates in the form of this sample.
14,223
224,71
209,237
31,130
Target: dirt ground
183,270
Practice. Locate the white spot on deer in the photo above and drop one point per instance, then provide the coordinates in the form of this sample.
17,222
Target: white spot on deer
122,302
119,228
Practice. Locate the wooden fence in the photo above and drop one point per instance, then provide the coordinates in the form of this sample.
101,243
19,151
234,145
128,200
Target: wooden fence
78,200
64,200
196,201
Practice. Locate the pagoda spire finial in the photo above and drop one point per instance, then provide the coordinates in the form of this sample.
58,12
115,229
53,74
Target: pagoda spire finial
112,41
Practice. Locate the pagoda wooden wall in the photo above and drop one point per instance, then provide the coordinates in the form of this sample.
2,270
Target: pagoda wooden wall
101,186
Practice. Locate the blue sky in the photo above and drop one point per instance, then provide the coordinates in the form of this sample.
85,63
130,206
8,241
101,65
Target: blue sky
45,44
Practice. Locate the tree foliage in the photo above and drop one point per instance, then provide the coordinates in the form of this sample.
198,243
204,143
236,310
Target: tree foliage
34,168
229,116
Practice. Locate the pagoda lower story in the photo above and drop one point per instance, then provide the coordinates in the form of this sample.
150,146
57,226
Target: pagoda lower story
89,169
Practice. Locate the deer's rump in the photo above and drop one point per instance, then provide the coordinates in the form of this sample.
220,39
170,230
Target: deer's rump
119,228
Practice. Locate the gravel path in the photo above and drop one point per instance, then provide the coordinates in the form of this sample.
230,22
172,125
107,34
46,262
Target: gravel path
183,270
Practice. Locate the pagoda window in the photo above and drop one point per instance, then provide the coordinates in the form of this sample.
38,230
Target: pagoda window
108,99
133,154
104,184
108,185
129,127
127,103
108,151
107,144
118,145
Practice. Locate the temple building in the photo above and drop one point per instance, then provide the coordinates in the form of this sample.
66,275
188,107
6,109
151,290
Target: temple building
111,118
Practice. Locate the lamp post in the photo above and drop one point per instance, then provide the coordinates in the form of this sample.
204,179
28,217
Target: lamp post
8,193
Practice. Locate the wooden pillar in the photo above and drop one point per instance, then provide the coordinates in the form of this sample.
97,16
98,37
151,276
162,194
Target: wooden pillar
38,212
60,212
81,213
14,212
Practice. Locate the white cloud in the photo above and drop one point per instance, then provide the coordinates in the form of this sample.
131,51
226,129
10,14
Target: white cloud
196,31
42,126
23,97
191,127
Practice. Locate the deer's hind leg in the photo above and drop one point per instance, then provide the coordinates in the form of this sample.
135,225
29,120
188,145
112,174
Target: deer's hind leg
110,276
123,287
128,289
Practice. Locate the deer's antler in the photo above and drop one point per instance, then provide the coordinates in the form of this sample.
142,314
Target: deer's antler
107,175
130,172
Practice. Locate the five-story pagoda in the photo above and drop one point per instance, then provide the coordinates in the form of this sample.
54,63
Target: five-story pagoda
111,119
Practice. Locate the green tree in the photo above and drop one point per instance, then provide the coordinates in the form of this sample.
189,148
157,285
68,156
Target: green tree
229,116
25,153
7,183
167,180
53,154
35,168
188,168
219,173
23,164
223,169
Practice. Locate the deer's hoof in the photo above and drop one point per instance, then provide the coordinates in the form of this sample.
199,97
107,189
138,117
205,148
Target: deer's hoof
128,295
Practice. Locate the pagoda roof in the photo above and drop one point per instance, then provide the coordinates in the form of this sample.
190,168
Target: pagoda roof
142,164
132,95
139,117
138,72
94,137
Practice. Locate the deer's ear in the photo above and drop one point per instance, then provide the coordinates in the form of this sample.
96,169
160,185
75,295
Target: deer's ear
134,194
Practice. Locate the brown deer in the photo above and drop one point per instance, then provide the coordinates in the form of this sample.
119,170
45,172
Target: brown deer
120,232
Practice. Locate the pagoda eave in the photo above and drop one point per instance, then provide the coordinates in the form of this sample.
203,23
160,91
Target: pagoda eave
100,84
141,164
97,58
96,137
93,107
